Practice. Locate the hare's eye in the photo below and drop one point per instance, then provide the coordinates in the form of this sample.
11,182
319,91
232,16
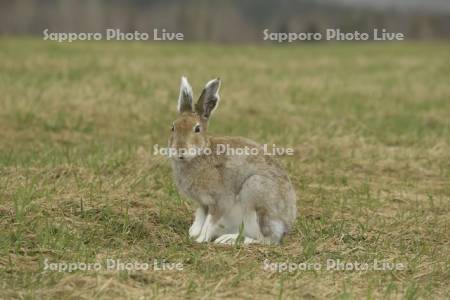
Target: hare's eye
197,128
173,128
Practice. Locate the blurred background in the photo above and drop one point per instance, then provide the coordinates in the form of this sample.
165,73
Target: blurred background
227,21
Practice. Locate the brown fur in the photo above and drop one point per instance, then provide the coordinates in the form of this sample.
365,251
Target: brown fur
226,186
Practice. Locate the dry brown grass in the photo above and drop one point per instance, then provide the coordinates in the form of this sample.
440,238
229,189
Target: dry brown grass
78,181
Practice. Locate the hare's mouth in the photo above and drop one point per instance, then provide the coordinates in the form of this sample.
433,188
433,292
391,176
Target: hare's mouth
184,158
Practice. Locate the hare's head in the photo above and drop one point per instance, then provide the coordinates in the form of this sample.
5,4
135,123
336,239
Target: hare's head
188,135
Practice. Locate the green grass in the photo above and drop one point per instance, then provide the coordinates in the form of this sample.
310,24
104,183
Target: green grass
370,124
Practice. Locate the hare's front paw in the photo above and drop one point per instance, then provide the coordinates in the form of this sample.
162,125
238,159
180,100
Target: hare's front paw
206,232
202,238
195,229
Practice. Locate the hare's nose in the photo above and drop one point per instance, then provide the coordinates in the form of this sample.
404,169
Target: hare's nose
181,157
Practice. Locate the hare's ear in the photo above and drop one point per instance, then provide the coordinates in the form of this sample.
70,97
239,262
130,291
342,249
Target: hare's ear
209,99
186,96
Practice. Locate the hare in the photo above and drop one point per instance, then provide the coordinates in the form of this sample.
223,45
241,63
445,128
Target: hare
245,197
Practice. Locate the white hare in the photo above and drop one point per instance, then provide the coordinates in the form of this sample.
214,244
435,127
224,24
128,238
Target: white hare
248,196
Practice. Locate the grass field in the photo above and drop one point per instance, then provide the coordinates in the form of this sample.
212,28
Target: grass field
370,124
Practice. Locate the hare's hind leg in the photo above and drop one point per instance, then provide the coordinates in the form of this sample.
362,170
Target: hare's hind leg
263,195
263,206
231,238
251,233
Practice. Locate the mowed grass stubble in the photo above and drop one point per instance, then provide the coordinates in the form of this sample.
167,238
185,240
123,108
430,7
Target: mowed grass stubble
369,122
